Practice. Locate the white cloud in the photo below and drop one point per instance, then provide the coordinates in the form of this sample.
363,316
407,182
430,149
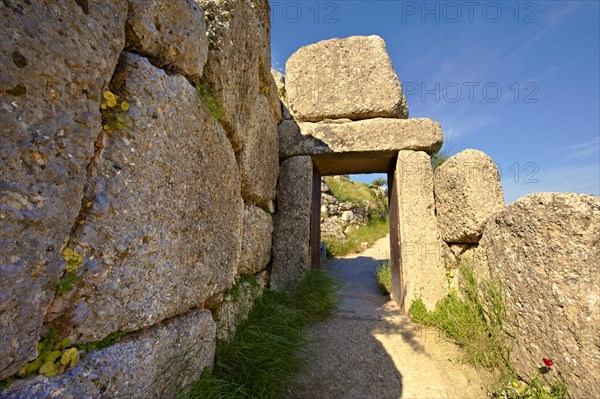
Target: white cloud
583,150
584,179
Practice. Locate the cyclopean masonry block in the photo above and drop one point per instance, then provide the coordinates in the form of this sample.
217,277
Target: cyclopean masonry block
344,78
256,240
291,232
154,363
467,192
371,135
57,58
545,250
239,62
153,251
171,32
258,160
423,273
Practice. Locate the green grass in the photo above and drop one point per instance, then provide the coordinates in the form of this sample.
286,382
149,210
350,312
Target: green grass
475,320
384,276
66,283
439,158
266,349
358,193
370,233
105,342
535,388
213,104
475,327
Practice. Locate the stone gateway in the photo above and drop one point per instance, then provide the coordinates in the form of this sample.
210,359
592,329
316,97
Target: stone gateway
152,162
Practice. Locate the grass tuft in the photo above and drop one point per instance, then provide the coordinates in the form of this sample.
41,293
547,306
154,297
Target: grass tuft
477,328
475,320
439,158
105,342
266,348
66,283
213,104
384,276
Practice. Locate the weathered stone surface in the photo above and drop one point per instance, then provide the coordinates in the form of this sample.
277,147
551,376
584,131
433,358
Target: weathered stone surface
545,249
421,247
256,240
280,84
279,80
239,61
291,232
347,216
262,12
332,229
375,135
155,363
57,57
171,32
235,307
258,160
153,251
467,191
458,249
344,78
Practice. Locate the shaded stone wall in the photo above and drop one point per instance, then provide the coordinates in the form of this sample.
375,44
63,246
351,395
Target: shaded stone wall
132,224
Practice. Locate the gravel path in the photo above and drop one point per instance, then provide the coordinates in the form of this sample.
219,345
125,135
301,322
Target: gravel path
371,350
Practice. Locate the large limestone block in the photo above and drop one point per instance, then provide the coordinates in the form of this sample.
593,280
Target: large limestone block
156,363
256,240
171,32
344,78
291,232
423,272
467,191
545,249
239,61
57,57
371,135
162,231
258,160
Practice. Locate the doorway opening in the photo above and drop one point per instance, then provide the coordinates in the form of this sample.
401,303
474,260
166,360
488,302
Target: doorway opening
325,171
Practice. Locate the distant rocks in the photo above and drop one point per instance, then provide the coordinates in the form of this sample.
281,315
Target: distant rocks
339,216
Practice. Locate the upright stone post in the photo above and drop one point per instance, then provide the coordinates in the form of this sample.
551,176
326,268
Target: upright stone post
422,265
291,230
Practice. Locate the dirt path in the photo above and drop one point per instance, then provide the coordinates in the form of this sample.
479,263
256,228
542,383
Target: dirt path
371,350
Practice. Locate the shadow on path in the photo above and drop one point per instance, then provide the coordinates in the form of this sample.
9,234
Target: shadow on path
369,349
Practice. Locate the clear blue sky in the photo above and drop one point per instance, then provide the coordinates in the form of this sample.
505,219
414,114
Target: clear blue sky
528,74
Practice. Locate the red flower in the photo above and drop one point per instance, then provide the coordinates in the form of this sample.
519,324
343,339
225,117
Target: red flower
548,362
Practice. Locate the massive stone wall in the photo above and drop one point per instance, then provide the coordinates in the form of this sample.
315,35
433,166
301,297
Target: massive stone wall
113,224
140,159
545,250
